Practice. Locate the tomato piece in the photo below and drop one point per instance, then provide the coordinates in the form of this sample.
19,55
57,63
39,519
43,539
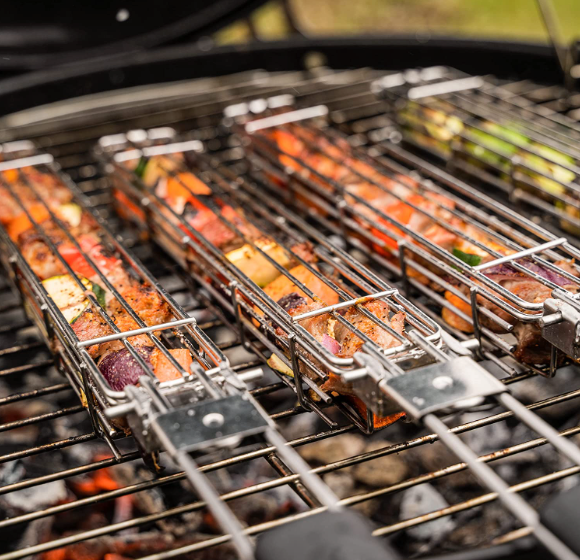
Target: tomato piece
22,223
93,249
126,208
10,175
400,212
75,260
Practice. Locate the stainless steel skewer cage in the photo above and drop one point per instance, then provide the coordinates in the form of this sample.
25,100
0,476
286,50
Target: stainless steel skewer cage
423,266
493,132
73,357
75,154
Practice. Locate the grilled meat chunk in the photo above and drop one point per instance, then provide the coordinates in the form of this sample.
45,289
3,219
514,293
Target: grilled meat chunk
351,342
318,326
283,286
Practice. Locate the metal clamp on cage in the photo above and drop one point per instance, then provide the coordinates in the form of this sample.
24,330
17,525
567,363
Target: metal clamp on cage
226,415
217,411
561,323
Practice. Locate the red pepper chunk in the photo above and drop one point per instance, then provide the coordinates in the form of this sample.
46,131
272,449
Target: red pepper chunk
401,213
93,249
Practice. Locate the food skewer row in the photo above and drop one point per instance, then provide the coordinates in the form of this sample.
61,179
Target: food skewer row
483,137
448,245
114,312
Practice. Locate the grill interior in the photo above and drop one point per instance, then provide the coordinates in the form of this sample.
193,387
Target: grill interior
63,449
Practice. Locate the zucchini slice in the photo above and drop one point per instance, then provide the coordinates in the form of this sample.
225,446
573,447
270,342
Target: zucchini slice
69,297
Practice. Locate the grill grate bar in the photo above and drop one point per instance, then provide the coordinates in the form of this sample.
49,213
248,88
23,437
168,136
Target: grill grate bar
27,367
36,393
40,418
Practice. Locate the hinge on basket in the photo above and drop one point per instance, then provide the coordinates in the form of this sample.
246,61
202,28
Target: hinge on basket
561,323
438,388
442,388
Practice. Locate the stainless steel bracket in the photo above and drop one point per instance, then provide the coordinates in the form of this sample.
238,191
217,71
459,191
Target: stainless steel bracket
442,387
211,423
561,323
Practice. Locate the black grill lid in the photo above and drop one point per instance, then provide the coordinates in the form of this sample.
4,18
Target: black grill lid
60,31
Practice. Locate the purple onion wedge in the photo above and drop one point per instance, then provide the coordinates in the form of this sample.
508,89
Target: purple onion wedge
120,368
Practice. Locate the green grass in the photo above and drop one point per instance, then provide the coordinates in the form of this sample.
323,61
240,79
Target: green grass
501,19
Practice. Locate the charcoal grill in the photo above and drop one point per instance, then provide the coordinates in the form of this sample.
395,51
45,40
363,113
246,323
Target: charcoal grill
199,106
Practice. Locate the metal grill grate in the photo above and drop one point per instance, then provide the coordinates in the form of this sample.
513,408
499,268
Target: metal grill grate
19,339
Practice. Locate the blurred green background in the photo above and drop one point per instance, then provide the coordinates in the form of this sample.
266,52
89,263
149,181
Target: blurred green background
501,19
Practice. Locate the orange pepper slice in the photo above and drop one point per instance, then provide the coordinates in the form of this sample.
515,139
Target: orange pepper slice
22,223
400,212
291,145
11,175
184,185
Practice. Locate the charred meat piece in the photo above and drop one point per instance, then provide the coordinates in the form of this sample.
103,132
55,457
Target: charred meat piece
351,343
144,300
283,286
220,231
318,326
39,255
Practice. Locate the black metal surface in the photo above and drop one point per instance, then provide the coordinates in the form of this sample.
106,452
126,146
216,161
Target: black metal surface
45,85
345,538
34,34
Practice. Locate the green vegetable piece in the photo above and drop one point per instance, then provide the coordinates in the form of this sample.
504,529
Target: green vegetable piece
467,258
507,133
140,169
99,294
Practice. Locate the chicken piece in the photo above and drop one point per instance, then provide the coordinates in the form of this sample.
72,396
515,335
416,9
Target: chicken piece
283,286
220,233
91,325
295,304
305,251
351,343
39,255
143,299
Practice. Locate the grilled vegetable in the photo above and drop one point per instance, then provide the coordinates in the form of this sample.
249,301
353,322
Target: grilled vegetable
255,266
69,297
21,223
71,213
120,369
278,365
468,258
140,169
574,213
